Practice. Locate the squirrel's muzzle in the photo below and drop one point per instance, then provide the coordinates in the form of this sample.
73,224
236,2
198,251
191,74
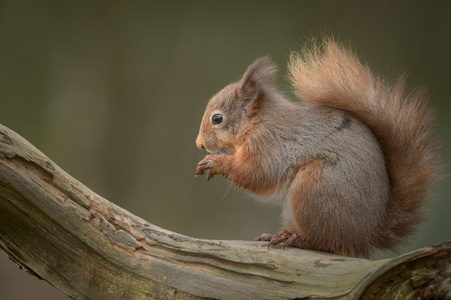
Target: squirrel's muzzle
199,142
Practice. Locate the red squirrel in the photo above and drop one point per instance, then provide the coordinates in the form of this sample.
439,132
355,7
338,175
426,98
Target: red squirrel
350,165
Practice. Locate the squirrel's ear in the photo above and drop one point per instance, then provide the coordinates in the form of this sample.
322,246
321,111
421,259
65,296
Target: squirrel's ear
258,78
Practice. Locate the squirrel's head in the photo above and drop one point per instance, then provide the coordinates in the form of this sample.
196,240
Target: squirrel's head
232,111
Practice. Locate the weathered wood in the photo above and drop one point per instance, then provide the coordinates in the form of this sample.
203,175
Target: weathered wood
62,232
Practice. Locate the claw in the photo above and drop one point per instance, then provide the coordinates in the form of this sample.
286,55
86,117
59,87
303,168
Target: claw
265,237
210,175
280,237
284,236
202,166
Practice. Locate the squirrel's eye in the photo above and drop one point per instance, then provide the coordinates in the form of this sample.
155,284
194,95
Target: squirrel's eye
216,119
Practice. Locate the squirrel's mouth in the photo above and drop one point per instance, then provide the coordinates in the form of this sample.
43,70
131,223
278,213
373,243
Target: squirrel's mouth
219,148
220,151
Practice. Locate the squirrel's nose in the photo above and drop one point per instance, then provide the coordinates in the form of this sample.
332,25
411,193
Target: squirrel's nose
199,143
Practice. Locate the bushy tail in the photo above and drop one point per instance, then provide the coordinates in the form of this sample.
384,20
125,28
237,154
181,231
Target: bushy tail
331,75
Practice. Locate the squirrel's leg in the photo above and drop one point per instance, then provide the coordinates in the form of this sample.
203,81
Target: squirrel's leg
304,183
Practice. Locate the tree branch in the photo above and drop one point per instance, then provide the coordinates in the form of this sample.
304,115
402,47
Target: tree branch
59,230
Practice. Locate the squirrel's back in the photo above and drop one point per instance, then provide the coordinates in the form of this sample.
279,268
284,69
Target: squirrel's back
331,75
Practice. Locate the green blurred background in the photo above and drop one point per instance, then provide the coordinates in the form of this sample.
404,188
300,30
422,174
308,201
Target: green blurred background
114,91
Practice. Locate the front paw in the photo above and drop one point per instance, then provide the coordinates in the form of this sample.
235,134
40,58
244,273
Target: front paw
207,164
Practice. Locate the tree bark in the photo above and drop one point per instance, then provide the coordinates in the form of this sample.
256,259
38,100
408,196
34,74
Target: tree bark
60,231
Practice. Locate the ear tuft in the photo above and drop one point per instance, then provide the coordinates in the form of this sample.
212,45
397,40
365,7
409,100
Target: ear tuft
258,77
263,70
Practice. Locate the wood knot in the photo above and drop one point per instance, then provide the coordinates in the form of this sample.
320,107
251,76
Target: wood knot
5,139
